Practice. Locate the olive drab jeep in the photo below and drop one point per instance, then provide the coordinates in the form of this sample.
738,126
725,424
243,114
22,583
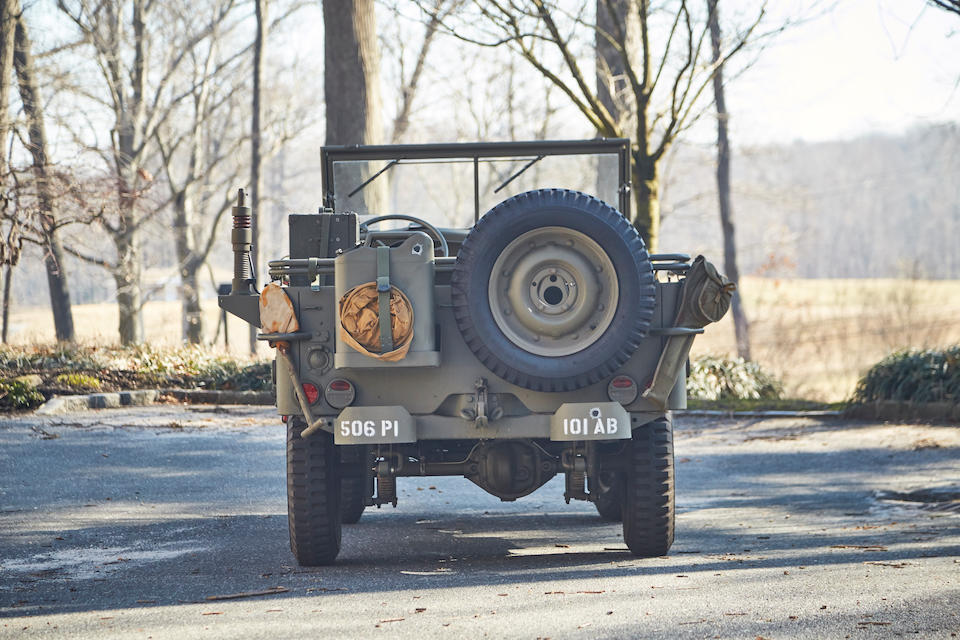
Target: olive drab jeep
426,339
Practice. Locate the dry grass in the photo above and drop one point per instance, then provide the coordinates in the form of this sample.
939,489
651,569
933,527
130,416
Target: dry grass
818,336
97,325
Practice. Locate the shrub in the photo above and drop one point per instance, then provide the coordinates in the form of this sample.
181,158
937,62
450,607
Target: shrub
143,366
77,382
19,394
719,378
931,375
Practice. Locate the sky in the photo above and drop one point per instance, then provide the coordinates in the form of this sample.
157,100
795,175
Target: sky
850,67
864,66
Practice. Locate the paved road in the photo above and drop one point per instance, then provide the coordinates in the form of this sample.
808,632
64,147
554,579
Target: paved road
119,524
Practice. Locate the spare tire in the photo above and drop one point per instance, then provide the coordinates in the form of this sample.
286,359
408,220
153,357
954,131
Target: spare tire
553,290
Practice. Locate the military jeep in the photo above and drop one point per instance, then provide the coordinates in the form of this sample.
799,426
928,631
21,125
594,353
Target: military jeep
538,338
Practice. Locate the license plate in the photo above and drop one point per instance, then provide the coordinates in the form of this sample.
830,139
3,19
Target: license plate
590,421
374,425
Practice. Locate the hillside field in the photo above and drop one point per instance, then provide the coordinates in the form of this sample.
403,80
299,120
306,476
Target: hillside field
818,336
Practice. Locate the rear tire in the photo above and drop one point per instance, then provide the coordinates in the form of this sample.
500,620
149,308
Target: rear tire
609,498
355,487
313,496
648,497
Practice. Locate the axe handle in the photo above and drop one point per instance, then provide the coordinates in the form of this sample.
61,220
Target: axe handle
313,425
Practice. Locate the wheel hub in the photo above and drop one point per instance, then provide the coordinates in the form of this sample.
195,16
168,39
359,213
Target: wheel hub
553,291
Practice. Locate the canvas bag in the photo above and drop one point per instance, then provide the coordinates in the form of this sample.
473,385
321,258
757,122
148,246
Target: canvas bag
706,295
358,311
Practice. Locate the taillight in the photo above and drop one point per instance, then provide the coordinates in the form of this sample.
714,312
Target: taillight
622,389
340,385
339,393
311,391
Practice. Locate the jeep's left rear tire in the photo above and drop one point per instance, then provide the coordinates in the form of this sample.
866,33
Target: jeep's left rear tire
609,496
647,503
356,485
313,496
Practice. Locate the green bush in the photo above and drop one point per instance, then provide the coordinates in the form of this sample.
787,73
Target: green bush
77,381
931,375
719,378
18,394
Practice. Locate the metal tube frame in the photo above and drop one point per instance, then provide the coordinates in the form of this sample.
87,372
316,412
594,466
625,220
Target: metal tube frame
475,151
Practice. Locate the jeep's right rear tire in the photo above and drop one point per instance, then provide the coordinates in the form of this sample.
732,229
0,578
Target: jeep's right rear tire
313,496
648,491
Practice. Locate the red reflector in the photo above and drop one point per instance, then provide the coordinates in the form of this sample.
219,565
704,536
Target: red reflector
622,382
285,419
311,391
340,385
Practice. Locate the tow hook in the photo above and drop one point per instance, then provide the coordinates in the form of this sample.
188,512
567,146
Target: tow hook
481,404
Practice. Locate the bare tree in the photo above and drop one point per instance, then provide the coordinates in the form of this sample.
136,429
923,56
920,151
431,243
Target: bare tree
260,9
611,71
665,73
9,246
140,91
740,324
351,80
37,134
953,6
410,82
9,14
192,157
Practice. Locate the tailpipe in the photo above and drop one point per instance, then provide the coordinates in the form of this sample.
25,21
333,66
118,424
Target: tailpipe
242,238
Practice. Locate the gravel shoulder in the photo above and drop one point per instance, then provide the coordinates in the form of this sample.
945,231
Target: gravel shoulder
122,523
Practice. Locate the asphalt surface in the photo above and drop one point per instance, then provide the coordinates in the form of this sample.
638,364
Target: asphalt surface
121,523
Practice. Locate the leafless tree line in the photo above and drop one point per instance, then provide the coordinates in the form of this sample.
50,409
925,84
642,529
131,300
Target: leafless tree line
167,121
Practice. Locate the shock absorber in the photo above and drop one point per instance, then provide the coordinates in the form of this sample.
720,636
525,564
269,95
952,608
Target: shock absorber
242,238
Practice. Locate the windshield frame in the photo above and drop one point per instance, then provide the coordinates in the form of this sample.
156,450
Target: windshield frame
476,151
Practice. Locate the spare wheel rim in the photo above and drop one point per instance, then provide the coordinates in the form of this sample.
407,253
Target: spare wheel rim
553,291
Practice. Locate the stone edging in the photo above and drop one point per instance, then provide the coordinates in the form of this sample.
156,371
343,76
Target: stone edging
66,404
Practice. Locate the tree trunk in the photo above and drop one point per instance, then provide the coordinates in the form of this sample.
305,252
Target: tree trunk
7,287
128,155
126,274
740,324
190,312
351,81
54,258
260,7
8,21
611,70
646,198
